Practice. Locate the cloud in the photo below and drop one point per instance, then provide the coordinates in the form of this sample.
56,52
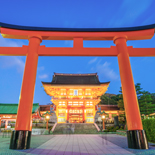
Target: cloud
10,43
92,60
41,68
12,61
68,43
127,14
105,71
44,76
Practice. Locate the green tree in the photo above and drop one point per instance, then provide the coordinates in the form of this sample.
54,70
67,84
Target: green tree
115,99
138,90
153,98
104,100
109,99
121,102
145,103
122,116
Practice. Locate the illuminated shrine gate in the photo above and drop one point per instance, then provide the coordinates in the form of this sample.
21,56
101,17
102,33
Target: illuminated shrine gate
75,96
135,134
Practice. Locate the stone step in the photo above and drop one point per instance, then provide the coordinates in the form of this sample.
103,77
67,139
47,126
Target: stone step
79,128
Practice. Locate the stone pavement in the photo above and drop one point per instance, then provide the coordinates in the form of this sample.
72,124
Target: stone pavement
109,144
78,145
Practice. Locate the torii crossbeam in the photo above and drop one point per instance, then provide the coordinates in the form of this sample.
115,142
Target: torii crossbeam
21,136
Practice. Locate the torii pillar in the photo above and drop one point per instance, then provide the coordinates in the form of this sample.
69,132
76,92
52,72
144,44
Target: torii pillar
21,137
136,135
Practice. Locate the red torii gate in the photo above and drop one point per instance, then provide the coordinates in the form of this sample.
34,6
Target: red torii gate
20,138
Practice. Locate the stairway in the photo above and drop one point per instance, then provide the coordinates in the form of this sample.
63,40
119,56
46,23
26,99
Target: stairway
76,128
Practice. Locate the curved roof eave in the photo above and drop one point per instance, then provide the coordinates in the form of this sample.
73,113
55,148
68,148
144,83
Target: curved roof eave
31,28
69,84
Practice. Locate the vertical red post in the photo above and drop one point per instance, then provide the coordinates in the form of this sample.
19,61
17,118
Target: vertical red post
103,124
0,122
133,117
46,124
128,87
67,115
83,115
110,115
24,115
6,123
27,91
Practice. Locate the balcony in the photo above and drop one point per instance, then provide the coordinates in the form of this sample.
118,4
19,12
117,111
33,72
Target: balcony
74,97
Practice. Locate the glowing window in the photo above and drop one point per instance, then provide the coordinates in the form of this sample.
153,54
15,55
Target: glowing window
75,104
88,92
81,111
89,104
71,92
63,91
69,103
75,92
80,92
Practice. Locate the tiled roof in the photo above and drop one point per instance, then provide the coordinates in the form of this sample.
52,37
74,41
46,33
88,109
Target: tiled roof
74,79
12,108
44,107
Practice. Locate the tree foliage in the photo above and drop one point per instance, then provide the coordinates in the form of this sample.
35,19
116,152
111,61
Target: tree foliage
145,103
108,99
153,98
146,100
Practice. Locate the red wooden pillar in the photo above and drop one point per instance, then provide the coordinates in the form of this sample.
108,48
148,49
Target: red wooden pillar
6,123
24,114
83,115
110,115
46,124
0,122
103,124
135,133
27,91
67,114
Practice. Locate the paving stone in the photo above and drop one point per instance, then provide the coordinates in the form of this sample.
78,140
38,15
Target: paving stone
75,145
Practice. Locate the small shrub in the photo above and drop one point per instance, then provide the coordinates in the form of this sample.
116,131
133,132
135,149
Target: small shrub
111,129
117,127
149,127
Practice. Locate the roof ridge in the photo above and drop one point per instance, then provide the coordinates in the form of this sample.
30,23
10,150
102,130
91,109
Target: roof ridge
72,74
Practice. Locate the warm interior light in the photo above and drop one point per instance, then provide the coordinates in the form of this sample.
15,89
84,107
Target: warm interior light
75,104
47,117
103,117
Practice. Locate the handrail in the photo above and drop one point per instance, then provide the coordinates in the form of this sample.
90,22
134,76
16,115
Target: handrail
98,129
54,127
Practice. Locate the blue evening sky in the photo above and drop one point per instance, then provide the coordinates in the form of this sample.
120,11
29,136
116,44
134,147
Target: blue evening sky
75,14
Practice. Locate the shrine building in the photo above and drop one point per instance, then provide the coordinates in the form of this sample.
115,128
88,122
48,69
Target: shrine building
75,96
